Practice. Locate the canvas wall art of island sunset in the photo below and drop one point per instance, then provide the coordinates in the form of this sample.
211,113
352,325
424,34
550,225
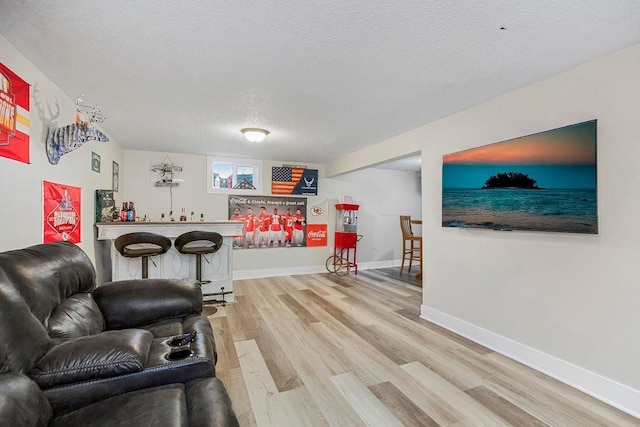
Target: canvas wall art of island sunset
541,182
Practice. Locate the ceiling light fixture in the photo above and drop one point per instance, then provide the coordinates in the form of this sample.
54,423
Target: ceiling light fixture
254,134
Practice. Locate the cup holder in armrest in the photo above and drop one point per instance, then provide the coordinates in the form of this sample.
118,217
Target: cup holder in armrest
181,340
174,342
179,354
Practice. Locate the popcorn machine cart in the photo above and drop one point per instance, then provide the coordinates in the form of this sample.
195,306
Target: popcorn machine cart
345,241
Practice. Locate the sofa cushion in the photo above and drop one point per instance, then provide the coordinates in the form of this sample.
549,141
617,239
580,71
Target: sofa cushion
47,274
75,317
22,403
23,339
159,406
105,355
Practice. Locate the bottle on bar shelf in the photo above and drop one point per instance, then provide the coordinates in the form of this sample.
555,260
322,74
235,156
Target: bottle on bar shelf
183,216
131,215
123,212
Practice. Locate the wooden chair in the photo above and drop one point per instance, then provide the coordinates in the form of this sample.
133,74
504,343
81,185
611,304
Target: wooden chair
411,244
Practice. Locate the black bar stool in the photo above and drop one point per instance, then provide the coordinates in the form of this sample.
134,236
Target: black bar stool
198,243
142,245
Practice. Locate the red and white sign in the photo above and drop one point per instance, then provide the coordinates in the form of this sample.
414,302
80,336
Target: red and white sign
61,212
316,235
14,116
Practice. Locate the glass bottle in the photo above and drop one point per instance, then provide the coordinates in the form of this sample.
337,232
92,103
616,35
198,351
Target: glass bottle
131,213
123,212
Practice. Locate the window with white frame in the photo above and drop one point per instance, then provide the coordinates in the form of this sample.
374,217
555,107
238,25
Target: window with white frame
227,175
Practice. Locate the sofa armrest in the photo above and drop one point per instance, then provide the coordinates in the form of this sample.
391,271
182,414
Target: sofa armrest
134,303
93,357
209,404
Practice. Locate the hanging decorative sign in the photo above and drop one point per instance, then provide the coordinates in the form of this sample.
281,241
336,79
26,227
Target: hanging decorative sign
318,211
316,234
63,140
294,180
61,212
14,116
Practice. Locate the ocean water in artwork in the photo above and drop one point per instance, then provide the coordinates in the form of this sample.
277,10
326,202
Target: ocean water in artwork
554,209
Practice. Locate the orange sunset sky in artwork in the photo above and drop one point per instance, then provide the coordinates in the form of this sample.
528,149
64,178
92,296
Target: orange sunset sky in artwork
571,145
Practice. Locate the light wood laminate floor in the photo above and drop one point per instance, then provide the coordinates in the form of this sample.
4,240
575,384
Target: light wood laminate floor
317,350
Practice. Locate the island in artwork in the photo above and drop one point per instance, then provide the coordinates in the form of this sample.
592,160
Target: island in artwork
511,180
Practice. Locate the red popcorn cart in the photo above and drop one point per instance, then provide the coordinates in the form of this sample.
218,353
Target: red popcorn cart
345,241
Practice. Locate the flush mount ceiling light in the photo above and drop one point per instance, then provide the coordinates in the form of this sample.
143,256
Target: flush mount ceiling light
254,134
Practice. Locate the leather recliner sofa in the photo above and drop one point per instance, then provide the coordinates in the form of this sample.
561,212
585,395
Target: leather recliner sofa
72,353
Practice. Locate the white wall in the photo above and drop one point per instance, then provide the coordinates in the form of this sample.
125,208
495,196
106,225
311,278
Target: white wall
21,184
570,297
383,195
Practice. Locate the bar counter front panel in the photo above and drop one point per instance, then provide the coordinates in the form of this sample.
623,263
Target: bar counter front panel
218,267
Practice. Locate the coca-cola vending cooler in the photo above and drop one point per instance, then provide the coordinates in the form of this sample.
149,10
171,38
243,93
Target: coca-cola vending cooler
346,239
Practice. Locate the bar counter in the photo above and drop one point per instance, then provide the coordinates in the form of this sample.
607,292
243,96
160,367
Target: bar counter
218,268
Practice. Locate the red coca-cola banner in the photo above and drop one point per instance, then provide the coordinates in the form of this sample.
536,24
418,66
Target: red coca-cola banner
316,234
61,212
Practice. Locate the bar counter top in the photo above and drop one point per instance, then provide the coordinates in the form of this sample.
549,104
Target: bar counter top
218,270
172,223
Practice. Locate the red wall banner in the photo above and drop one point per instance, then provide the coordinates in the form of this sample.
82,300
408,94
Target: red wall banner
14,116
316,234
61,212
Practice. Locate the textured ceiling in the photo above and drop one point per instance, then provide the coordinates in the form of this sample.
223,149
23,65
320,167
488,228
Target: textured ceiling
325,77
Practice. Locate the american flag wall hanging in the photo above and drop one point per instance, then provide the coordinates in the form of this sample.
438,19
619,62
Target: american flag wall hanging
294,180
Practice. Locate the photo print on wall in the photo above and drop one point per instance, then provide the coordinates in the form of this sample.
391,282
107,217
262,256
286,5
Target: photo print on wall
541,182
269,222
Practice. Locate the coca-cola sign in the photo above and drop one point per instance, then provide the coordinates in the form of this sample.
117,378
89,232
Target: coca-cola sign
316,234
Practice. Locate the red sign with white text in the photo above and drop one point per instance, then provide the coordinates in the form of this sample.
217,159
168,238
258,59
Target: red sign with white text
316,235
61,212
14,116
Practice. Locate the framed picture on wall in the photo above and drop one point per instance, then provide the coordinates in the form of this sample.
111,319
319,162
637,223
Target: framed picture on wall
95,162
546,181
115,177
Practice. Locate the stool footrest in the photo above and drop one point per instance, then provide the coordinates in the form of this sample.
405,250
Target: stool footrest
222,293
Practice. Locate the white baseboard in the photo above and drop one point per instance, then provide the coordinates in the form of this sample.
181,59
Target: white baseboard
274,272
378,264
312,269
611,392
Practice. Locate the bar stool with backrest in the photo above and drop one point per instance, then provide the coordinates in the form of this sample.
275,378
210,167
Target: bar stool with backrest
142,245
411,244
198,243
